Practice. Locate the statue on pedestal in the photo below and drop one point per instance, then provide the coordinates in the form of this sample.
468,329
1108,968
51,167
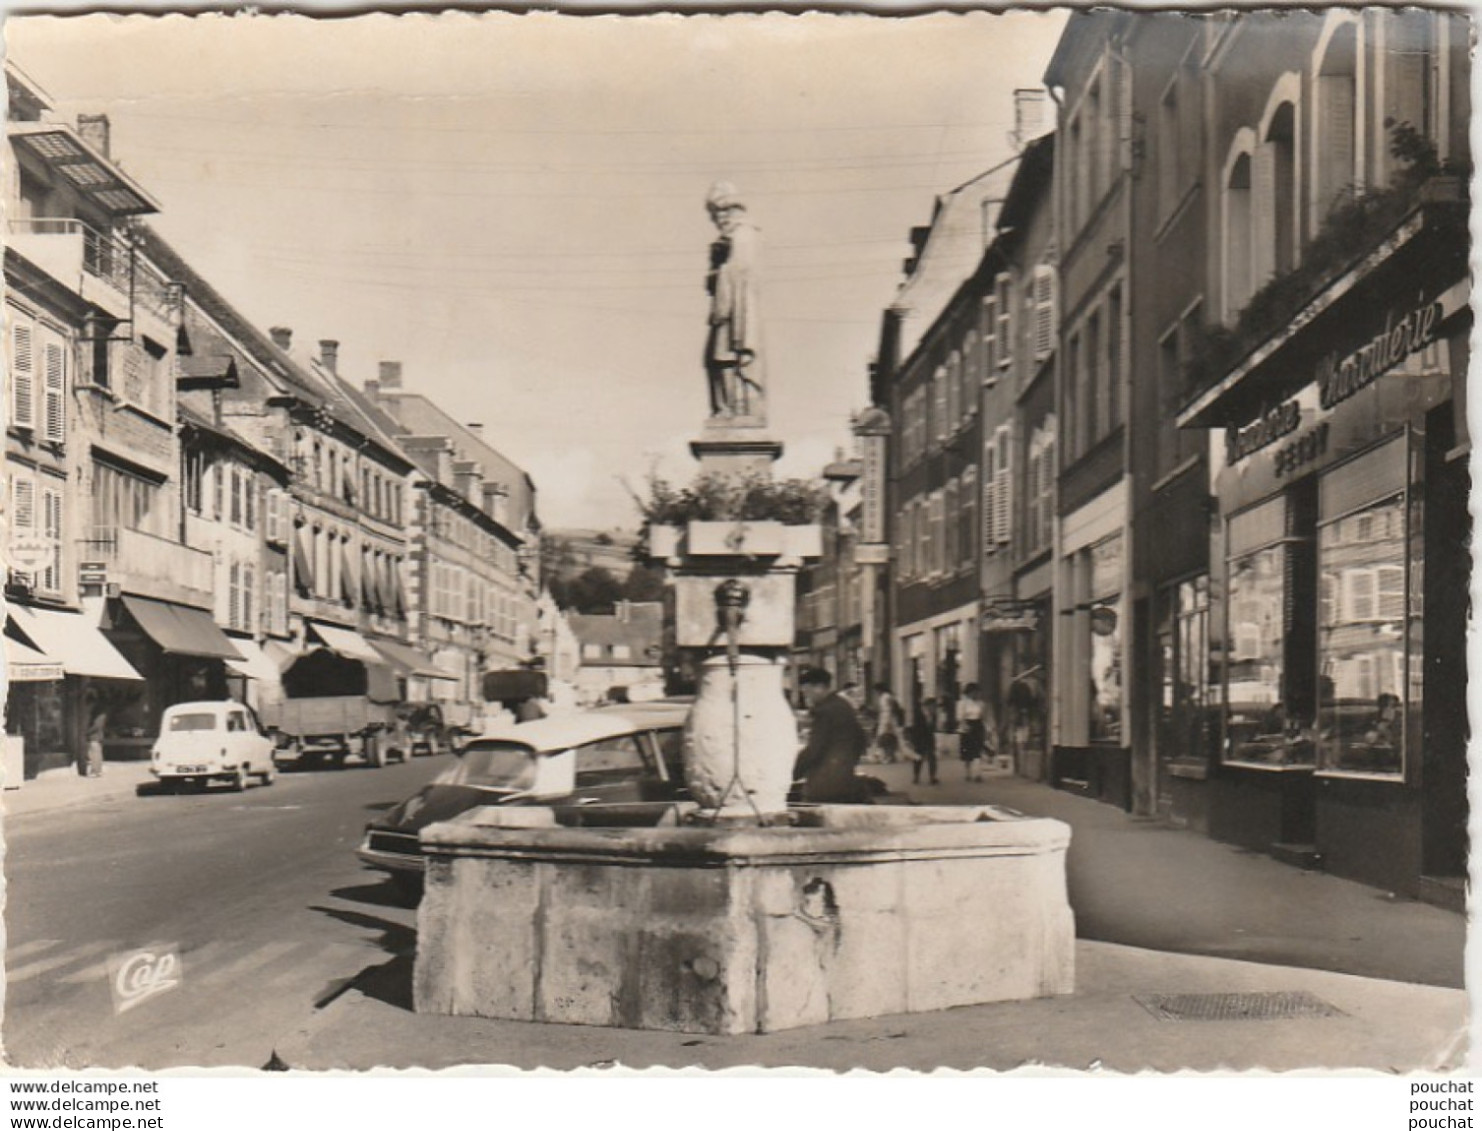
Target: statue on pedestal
733,356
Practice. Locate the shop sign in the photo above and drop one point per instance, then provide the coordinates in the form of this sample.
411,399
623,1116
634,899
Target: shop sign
1339,378
31,554
1265,430
872,489
1311,445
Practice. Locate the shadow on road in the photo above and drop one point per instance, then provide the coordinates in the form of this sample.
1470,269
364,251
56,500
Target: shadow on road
377,893
390,982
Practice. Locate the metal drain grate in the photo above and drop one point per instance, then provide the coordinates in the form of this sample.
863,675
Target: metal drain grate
1279,1005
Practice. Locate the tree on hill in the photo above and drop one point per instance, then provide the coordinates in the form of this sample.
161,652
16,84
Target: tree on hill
594,590
643,583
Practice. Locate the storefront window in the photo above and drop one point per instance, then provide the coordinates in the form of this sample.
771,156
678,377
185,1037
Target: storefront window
1261,728
1106,673
1361,640
1186,723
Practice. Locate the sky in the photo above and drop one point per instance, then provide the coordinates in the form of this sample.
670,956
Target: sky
513,206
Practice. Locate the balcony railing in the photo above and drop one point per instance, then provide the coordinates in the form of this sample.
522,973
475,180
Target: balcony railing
67,247
149,564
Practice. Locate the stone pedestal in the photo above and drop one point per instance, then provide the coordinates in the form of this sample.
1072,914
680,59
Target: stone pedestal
859,911
732,446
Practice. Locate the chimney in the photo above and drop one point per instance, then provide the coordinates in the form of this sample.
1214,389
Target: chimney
282,337
329,354
476,428
1029,114
391,375
95,129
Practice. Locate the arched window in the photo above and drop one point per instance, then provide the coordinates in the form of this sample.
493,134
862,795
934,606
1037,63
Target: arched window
1281,155
1237,228
1336,127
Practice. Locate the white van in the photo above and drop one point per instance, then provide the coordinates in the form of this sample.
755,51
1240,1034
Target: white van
215,741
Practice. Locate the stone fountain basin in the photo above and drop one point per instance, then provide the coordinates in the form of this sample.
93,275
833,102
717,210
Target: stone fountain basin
853,911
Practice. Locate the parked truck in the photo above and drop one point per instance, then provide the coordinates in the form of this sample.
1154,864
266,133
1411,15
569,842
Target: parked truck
335,708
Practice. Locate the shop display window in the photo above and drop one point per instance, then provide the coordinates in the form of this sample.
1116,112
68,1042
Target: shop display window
1106,673
1261,727
1361,640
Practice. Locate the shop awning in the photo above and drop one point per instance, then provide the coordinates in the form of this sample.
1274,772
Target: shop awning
181,630
408,661
23,664
344,642
73,641
255,663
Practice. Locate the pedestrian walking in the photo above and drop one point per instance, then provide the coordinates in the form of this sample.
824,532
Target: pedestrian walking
97,726
888,720
836,742
923,742
973,733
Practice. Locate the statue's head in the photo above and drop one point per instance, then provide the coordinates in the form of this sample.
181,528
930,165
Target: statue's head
724,204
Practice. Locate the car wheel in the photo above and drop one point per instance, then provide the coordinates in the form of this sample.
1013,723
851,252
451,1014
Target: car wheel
371,748
239,780
269,775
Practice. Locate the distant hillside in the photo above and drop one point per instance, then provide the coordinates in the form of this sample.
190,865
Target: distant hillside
569,551
589,571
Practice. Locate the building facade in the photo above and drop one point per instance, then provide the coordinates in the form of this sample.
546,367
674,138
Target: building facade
1338,154
1093,191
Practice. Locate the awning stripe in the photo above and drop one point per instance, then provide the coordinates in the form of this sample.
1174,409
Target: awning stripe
73,641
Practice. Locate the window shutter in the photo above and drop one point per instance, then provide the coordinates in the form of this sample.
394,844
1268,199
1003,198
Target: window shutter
1045,299
55,395
990,339
23,516
22,377
1006,494
1003,298
233,595
50,577
990,496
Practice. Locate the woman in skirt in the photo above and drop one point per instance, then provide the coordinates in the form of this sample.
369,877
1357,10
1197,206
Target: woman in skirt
973,734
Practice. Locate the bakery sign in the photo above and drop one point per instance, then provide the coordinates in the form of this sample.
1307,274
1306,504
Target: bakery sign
1340,376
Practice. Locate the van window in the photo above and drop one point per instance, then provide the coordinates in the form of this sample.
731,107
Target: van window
235,720
201,720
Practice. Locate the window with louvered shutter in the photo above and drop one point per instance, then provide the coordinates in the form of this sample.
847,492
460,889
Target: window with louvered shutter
1263,214
951,412
990,340
990,496
967,502
1046,326
23,509
1004,300
50,578
949,524
1003,496
54,396
22,375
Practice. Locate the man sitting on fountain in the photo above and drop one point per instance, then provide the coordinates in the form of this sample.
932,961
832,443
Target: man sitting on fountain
836,742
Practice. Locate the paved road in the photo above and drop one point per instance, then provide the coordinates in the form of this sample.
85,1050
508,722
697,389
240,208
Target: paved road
261,892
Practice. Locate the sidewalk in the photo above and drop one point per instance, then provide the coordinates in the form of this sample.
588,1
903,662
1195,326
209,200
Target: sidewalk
1382,1026
66,788
1144,883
